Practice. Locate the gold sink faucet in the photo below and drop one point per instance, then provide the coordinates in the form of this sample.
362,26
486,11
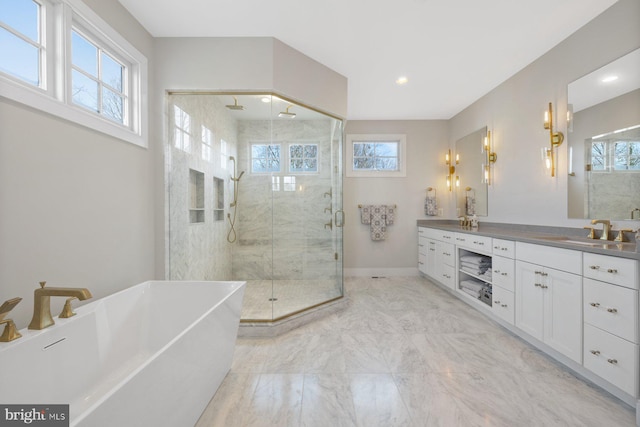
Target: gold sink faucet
42,303
606,227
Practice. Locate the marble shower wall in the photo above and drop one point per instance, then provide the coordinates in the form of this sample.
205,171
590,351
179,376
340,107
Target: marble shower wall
200,251
283,228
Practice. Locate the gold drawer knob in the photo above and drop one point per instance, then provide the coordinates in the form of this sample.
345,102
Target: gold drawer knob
612,361
595,352
612,310
612,270
594,304
594,267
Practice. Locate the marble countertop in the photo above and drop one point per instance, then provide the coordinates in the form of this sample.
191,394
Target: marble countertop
559,237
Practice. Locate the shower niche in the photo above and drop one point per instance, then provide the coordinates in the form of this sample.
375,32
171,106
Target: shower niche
271,164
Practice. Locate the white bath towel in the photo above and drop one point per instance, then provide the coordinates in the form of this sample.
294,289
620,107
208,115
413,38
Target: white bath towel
430,206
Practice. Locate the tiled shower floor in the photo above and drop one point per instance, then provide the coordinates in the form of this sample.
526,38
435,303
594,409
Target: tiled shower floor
404,353
290,296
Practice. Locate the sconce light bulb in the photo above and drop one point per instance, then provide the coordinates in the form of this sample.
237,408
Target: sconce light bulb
446,158
457,181
546,119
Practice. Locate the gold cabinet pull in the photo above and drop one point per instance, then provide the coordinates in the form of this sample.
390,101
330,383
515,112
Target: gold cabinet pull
612,270
594,304
594,267
612,310
595,352
612,361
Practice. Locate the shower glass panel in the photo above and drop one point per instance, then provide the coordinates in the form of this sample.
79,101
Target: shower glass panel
280,226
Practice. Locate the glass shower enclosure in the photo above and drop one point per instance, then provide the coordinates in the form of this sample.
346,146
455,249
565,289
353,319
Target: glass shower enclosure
254,193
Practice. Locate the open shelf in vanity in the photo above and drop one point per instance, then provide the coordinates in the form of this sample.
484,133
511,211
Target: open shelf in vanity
474,268
474,275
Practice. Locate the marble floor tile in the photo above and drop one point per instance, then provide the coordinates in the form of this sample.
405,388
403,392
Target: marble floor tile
328,401
404,352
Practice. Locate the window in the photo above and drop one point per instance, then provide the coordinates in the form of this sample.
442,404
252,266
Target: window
615,155
303,158
21,41
265,158
207,144
376,155
100,83
181,129
97,79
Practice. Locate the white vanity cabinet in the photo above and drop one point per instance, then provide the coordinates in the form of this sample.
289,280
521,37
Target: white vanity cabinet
611,320
436,255
549,300
503,278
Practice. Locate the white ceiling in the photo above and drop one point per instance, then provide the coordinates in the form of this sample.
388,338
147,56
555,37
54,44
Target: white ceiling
452,51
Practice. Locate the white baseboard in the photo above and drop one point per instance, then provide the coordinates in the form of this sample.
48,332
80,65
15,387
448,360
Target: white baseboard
380,272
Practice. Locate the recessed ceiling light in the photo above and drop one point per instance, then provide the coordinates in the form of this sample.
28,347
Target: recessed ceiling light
402,80
609,79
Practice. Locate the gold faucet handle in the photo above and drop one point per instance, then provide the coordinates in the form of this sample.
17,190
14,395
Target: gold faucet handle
42,284
7,306
10,332
591,234
67,311
620,237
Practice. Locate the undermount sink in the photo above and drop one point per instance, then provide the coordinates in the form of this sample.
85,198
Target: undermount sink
606,244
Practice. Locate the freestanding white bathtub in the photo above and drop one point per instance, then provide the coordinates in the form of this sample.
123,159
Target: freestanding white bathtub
150,355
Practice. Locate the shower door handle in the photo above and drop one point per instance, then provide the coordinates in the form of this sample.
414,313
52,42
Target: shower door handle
335,218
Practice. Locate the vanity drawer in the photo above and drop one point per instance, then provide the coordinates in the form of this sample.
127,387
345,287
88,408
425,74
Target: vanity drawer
612,358
503,304
446,236
561,259
506,248
472,241
503,272
621,271
447,276
446,253
612,308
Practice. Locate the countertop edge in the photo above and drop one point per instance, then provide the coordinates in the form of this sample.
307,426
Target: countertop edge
540,235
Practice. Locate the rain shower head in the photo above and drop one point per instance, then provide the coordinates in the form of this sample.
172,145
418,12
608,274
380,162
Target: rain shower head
287,114
235,105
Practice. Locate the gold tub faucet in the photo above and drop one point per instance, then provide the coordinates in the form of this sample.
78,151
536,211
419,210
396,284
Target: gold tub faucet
42,303
606,227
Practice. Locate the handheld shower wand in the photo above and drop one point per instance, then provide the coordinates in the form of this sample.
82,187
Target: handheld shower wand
236,185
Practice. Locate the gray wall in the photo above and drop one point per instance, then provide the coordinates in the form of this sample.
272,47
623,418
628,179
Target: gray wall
523,191
397,254
77,205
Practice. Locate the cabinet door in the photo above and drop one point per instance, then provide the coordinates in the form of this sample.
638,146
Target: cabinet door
431,255
529,299
503,272
563,312
423,246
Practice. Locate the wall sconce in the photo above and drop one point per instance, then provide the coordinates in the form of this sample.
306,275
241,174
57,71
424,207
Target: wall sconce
490,158
555,138
451,169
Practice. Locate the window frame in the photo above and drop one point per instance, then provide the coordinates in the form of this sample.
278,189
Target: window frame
53,96
352,139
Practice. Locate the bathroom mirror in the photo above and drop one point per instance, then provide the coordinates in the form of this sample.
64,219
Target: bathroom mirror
604,140
471,191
